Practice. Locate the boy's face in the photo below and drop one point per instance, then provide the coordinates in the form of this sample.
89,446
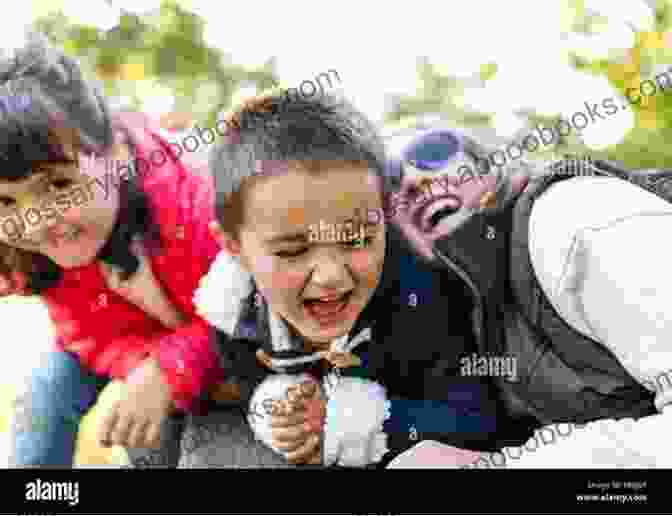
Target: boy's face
66,214
318,285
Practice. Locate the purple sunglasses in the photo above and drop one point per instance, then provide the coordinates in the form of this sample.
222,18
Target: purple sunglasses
430,150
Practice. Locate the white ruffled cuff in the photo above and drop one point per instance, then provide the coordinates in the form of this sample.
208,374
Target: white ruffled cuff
221,292
353,431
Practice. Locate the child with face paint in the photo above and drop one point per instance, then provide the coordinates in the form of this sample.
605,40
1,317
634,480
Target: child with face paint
442,176
340,360
115,256
547,249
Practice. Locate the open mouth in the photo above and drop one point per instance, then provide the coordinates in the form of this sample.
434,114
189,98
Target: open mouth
431,214
327,308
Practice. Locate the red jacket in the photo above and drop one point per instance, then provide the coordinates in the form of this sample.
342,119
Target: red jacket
109,334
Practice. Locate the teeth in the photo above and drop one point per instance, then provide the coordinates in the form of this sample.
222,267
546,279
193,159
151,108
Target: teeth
328,299
332,298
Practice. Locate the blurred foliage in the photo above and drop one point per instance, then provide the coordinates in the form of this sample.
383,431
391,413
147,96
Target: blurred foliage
646,145
164,49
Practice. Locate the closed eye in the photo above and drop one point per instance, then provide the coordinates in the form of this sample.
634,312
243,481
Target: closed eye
60,184
291,254
53,184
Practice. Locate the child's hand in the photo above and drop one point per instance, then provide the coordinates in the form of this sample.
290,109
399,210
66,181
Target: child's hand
136,420
143,289
298,422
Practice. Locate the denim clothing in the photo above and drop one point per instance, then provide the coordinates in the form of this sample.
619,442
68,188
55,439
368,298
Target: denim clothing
59,392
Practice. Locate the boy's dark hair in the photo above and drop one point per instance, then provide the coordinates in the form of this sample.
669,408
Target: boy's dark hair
48,114
273,133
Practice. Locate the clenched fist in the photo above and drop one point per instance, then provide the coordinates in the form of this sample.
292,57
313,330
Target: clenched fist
297,423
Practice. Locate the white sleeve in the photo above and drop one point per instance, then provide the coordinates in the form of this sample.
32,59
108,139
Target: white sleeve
602,252
605,444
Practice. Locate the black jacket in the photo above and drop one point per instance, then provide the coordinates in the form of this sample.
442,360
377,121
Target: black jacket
420,318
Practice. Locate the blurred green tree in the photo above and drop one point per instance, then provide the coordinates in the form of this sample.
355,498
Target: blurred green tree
159,54
146,59
645,145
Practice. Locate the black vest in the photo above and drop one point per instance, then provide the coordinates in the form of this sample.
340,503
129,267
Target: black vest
563,376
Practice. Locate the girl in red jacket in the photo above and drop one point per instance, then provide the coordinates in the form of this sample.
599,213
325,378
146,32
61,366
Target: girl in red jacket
101,219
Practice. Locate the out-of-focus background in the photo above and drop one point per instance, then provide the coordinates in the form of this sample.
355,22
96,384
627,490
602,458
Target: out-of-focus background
496,69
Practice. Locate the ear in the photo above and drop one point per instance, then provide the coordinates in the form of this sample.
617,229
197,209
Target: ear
228,243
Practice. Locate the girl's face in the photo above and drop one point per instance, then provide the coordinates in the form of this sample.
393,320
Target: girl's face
318,281
431,205
64,211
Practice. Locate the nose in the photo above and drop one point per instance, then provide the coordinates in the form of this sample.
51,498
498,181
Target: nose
330,270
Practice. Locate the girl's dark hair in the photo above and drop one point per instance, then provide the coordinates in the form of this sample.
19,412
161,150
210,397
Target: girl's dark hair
135,219
46,105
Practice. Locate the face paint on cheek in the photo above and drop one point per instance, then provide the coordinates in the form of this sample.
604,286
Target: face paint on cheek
367,267
280,290
272,282
373,183
361,261
296,216
294,280
372,278
286,283
73,214
263,264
